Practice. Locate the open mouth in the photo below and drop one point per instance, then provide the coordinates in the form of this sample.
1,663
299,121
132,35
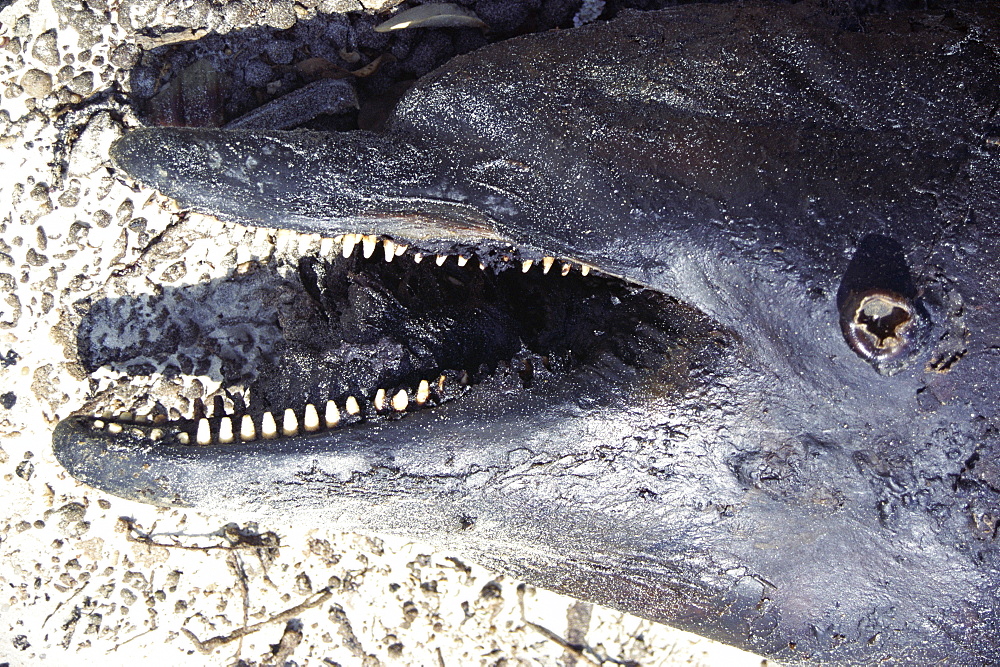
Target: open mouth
393,330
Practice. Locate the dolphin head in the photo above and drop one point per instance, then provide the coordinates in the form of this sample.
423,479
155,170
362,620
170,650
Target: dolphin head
704,327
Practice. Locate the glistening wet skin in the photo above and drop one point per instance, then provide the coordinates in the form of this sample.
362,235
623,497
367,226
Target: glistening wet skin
774,427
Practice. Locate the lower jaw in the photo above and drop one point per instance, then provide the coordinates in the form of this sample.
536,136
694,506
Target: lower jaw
584,356
430,454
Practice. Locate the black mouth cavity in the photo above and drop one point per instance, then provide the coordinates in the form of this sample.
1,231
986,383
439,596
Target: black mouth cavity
388,330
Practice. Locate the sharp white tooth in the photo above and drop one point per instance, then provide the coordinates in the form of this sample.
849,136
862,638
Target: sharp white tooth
332,416
326,246
390,250
204,435
417,257
482,267
339,238
526,265
247,430
262,236
183,438
114,428
368,245
351,405
423,392
547,263
400,249
462,260
290,423
282,236
98,423
379,400
226,430
155,434
350,240
310,420
268,429
440,260
565,268
400,400
441,381
307,241
584,270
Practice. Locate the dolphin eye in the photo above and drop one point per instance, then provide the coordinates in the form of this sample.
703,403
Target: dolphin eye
879,325
881,320
882,316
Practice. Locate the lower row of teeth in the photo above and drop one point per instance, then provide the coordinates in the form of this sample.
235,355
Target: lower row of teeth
392,249
266,427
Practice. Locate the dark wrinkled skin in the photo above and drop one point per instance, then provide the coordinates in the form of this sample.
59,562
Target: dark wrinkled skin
762,166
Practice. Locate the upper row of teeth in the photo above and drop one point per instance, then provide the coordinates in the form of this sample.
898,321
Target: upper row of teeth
267,428
369,243
391,249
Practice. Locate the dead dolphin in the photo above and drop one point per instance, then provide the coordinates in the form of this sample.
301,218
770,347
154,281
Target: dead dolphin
768,414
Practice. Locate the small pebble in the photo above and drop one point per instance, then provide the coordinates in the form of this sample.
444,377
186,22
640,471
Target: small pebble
36,83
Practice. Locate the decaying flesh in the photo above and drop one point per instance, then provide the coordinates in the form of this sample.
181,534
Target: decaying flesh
786,435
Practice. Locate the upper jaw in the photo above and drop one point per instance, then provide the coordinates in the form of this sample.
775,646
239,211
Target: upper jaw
385,186
311,182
